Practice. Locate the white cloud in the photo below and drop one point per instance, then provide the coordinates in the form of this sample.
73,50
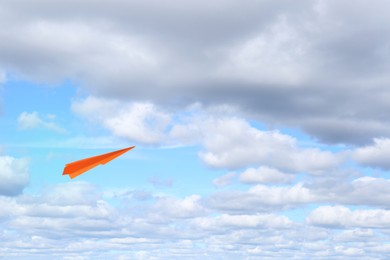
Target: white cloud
339,189
229,142
183,227
68,208
356,234
14,175
340,216
349,251
366,191
363,191
58,202
263,198
27,121
72,193
296,194
264,175
141,122
224,180
171,207
375,155
226,221
233,143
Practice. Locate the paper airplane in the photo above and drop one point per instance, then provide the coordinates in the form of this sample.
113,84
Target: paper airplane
76,168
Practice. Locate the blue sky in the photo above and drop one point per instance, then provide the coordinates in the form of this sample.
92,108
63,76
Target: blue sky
261,129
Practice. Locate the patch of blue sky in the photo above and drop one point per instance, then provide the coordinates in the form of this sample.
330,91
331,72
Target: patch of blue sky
300,213
259,125
139,169
22,96
49,152
51,104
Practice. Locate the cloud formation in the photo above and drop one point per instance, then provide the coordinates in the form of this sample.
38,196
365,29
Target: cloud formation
374,155
234,143
221,77
142,122
28,121
339,216
228,141
185,227
303,65
264,175
224,180
14,175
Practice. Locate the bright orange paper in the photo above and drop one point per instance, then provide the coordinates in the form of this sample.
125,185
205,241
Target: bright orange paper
76,168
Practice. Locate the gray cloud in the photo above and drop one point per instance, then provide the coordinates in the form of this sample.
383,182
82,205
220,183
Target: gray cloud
309,65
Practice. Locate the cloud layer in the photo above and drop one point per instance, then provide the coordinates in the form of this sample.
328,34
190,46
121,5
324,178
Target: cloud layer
232,80
187,227
304,65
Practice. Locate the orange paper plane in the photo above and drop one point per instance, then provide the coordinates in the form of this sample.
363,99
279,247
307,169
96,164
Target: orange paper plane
76,168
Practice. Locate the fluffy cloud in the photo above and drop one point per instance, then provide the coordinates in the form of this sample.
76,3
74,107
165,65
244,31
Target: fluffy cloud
185,227
264,175
74,193
375,155
351,188
260,198
229,142
356,234
363,191
233,143
340,216
242,221
141,122
65,209
14,174
32,120
170,207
